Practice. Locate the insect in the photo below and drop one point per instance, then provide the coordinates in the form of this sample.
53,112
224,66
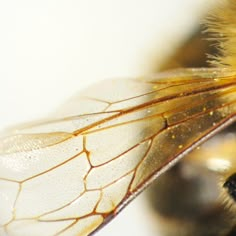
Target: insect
70,175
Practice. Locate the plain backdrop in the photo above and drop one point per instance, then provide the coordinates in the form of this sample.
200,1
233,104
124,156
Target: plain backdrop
51,49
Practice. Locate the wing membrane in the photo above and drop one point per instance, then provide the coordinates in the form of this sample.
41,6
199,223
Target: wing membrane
71,175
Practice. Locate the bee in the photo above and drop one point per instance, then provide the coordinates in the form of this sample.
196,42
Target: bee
72,174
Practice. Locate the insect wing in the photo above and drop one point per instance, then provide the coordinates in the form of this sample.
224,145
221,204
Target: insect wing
70,176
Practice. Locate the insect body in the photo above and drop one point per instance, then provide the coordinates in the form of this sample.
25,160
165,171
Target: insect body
72,174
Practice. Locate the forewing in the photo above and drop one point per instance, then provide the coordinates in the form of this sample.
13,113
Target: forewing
70,176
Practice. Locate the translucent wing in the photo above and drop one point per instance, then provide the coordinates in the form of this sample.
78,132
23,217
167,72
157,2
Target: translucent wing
70,176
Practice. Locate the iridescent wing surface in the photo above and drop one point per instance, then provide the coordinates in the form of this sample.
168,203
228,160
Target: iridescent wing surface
71,175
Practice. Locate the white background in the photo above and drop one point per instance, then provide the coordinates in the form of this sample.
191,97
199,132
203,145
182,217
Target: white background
51,49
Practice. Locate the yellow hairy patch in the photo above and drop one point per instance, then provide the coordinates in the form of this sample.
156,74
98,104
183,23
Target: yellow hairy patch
221,26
